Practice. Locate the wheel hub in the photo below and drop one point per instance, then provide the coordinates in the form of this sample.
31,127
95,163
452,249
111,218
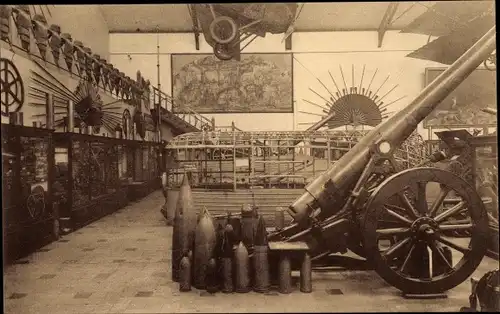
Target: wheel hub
424,227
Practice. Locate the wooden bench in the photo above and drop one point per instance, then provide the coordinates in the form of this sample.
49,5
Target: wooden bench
286,251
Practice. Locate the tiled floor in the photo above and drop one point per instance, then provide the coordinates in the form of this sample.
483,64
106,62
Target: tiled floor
121,264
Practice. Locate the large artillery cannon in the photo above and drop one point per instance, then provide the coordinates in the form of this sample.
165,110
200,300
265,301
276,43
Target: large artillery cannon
394,218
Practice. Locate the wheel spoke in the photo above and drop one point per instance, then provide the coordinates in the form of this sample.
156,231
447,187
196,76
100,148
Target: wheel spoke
422,206
408,204
396,247
407,259
392,230
439,201
455,209
438,252
455,227
455,246
398,216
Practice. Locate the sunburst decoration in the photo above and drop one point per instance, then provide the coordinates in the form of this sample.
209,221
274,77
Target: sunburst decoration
89,107
356,105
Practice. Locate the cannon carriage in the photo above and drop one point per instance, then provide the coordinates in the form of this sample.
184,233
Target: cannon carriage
398,220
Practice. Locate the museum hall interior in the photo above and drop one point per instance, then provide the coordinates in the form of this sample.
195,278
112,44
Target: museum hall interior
249,157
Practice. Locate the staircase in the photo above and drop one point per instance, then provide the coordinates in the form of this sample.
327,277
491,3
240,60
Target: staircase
267,200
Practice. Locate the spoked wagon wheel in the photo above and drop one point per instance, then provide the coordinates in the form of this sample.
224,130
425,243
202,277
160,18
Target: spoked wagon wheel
418,228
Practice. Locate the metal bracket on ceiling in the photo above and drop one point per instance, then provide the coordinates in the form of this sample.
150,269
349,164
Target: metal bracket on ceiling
386,21
196,30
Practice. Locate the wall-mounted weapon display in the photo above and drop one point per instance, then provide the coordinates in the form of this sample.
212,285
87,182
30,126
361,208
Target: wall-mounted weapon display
12,87
354,103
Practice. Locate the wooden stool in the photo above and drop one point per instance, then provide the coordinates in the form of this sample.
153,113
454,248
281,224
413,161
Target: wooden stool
286,250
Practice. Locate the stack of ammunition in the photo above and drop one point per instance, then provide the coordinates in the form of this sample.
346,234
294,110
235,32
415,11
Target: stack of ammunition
229,256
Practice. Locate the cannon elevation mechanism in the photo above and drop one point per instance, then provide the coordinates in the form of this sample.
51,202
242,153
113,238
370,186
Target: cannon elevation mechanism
398,219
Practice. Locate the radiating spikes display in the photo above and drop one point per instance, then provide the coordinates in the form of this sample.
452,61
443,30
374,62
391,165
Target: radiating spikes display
362,76
312,113
382,84
335,83
53,77
369,85
352,76
386,105
314,104
343,78
393,88
320,96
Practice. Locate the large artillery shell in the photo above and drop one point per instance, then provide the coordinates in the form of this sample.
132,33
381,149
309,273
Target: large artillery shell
260,237
185,274
285,274
241,264
211,281
247,227
227,275
306,274
204,245
235,223
171,204
261,268
185,204
178,237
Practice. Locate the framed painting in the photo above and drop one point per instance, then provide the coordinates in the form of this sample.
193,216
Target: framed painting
259,83
462,108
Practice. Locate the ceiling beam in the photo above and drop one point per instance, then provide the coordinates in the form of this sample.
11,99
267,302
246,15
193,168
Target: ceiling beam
386,21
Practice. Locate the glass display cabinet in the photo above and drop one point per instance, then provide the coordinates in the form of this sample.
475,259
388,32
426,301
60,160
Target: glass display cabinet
29,218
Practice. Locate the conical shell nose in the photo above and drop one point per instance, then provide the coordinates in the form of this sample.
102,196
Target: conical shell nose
185,179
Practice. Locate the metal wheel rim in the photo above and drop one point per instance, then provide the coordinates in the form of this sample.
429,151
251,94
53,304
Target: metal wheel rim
471,259
234,29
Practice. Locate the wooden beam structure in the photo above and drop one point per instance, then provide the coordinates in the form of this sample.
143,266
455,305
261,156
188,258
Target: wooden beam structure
386,21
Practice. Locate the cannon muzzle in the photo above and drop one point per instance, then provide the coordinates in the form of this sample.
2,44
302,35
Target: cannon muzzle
490,111
332,187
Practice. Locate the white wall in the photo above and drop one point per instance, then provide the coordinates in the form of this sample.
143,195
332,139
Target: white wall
85,23
318,53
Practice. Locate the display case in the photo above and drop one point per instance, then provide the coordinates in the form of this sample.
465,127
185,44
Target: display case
92,183
143,162
29,215
485,173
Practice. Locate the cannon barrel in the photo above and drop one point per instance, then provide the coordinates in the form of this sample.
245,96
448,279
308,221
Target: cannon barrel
337,181
490,111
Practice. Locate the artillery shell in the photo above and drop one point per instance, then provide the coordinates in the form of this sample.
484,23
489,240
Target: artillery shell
279,218
185,203
261,268
227,275
211,281
285,274
241,263
247,227
235,223
178,237
185,274
204,245
306,274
